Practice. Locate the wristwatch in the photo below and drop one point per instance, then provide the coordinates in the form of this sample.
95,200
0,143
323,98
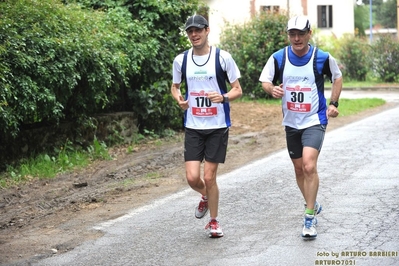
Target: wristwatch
225,99
334,103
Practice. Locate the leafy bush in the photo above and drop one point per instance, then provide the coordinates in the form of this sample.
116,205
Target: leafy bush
353,55
251,44
327,43
385,55
148,94
63,62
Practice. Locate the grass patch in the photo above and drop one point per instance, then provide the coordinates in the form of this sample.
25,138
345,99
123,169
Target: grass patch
44,166
152,175
362,84
349,107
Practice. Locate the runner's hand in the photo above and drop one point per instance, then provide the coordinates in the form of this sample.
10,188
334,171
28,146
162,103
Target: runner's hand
182,103
277,91
215,97
332,111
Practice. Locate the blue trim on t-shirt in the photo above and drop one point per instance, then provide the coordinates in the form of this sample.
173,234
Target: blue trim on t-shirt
221,77
320,59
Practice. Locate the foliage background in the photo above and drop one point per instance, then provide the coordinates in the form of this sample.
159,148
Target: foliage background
69,60
60,61
72,59
251,44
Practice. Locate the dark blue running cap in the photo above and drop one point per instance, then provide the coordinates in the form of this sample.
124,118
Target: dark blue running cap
197,21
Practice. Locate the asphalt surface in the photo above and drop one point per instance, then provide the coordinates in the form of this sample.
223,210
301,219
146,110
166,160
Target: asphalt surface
261,211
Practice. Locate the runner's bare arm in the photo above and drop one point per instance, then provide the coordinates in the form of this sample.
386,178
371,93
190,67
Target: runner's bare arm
235,91
176,93
336,89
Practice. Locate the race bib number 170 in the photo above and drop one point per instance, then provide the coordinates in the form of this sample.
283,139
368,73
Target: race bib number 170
201,105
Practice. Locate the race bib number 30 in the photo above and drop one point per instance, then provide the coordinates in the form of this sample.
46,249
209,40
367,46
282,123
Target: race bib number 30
299,99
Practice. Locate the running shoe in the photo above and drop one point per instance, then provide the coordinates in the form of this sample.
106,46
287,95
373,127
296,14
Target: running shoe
317,210
317,207
309,228
201,209
215,230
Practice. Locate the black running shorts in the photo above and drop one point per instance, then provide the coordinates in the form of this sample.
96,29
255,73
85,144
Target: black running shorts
208,144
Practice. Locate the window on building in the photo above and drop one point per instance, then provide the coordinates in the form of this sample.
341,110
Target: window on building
324,16
270,9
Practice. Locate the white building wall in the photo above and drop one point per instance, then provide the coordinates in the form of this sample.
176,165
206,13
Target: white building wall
220,11
343,16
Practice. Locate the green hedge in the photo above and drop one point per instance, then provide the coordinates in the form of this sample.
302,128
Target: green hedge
385,59
70,60
59,61
251,45
352,53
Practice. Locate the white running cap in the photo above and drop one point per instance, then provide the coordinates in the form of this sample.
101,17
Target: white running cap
298,23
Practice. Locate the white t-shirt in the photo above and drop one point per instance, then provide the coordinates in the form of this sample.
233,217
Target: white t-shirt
201,79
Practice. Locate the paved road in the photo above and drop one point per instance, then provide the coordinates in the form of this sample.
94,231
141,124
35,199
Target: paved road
261,212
